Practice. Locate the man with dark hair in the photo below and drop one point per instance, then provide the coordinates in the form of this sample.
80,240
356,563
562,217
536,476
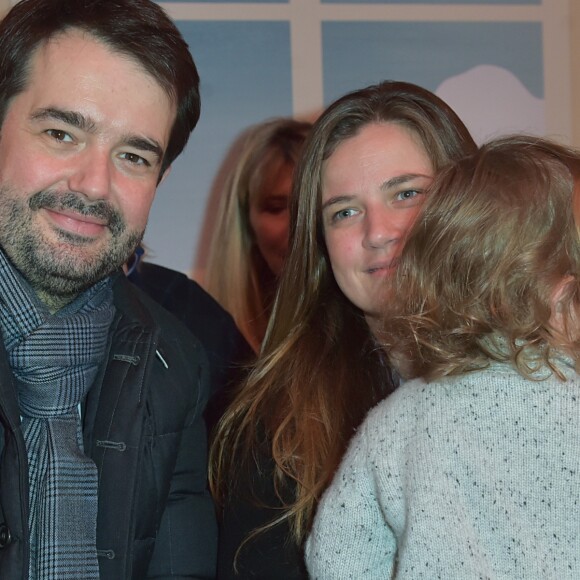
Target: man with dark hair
103,446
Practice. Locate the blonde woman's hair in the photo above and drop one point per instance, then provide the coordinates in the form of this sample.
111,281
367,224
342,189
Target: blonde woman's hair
320,369
237,275
494,243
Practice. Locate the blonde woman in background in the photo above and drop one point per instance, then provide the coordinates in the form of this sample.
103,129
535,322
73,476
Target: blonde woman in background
250,239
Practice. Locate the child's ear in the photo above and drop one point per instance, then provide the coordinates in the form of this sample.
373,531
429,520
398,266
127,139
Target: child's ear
561,318
560,291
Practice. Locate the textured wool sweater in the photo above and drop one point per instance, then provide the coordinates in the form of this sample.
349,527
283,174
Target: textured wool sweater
476,476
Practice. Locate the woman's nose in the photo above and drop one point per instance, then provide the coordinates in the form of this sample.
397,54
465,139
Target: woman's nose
381,229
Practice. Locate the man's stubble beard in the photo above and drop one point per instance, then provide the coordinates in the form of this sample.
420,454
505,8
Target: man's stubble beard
59,274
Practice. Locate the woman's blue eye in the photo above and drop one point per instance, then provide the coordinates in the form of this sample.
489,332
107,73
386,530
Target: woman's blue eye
408,194
342,214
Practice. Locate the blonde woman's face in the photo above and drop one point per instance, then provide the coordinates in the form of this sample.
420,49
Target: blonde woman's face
269,217
372,189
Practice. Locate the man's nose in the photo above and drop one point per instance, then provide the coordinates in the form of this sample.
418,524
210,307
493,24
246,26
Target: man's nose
92,174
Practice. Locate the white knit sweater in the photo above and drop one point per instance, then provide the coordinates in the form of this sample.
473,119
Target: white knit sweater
473,477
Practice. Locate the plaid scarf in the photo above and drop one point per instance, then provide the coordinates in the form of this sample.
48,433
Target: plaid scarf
54,360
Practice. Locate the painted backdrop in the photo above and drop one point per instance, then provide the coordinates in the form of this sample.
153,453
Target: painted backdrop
502,64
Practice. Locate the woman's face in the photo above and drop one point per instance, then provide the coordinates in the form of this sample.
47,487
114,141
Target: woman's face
372,189
269,215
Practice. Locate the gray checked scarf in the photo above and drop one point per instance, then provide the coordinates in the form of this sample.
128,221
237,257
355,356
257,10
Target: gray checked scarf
54,360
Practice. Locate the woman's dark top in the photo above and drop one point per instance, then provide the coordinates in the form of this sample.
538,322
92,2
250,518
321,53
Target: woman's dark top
269,555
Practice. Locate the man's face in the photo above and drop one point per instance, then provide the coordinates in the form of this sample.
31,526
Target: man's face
80,154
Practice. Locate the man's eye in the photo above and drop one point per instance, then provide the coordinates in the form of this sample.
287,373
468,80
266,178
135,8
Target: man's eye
59,135
135,159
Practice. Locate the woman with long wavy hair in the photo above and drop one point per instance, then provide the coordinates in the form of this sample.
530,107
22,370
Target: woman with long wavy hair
359,185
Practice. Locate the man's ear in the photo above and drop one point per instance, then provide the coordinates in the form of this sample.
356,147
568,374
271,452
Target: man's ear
163,176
